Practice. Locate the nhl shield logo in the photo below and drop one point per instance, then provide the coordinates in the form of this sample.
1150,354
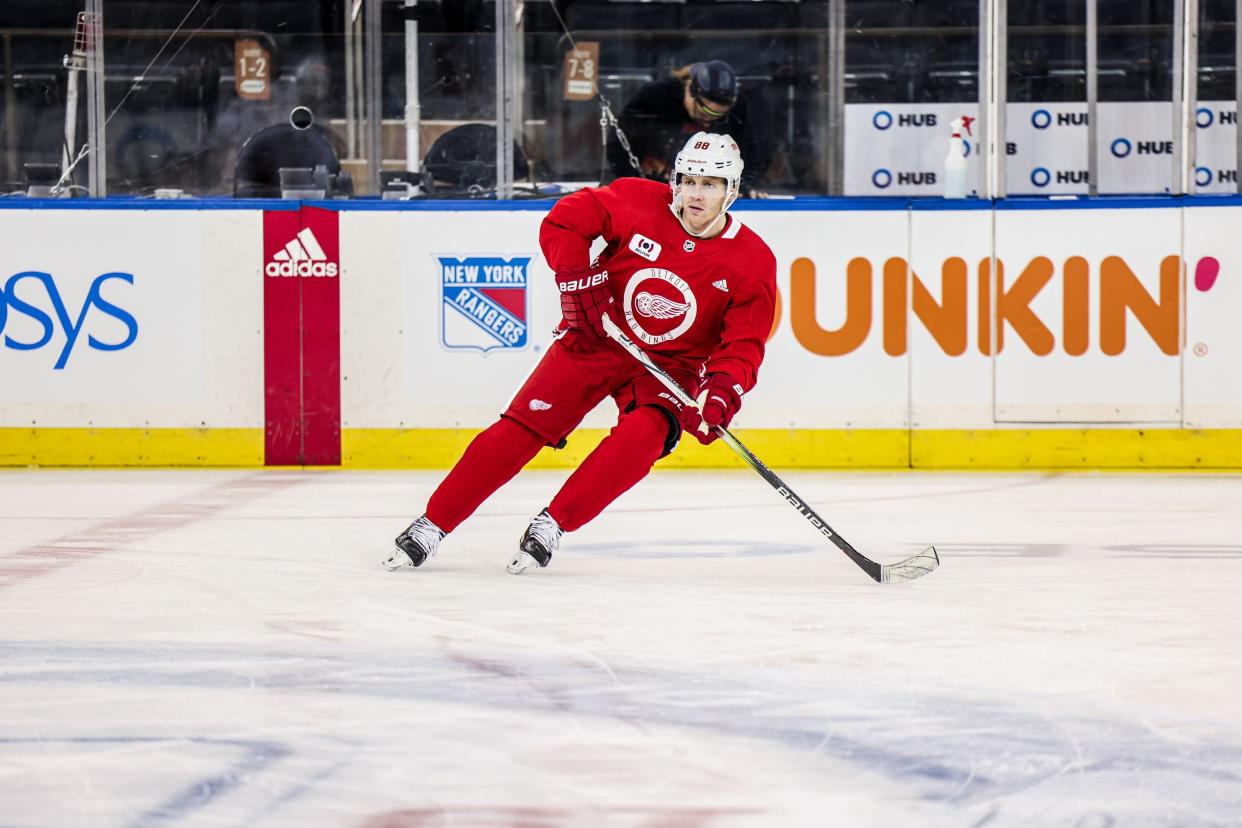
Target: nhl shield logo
483,302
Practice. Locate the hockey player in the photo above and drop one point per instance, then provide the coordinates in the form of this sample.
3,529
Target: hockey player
688,282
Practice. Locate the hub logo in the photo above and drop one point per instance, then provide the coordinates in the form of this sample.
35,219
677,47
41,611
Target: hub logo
882,179
1042,119
1040,176
483,302
1121,147
917,119
302,256
882,120
33,297
1204,117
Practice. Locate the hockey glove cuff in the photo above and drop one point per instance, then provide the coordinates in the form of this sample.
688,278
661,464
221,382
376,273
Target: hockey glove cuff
585,298
719,399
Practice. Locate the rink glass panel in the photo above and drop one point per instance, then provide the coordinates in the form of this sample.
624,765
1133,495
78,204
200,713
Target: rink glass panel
1046,112
1137,76
187,85
33,90
1216,135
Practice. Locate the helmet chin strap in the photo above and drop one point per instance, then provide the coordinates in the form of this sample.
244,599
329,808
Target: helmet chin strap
710,230
678,210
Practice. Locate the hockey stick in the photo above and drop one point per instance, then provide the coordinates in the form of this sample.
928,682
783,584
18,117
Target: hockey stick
907,570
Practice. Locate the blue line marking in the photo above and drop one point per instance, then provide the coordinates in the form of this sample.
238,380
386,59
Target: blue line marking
197,794
941,745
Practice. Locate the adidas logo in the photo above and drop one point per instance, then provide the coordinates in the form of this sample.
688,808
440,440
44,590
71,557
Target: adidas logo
302,256
721,284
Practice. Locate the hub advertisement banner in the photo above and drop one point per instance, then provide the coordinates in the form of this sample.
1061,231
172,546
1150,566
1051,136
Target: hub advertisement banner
1216,147
899,149
1047,149
893,149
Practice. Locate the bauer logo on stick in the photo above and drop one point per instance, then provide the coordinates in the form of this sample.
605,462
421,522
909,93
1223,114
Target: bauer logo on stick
483,302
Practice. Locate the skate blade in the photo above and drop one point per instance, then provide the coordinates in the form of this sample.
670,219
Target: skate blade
397,560
521,562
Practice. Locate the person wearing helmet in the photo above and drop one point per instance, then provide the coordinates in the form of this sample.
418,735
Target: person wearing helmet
701,96
688,282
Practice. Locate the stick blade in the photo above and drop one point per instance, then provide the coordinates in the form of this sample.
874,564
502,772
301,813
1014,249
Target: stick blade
913,567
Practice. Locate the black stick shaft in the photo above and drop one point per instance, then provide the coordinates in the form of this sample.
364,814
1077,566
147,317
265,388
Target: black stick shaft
866,564
782,488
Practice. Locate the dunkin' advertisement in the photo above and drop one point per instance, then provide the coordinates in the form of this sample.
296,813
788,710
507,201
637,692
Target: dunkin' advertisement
887,318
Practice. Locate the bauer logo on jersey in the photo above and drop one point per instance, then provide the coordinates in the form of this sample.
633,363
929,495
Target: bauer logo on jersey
659,305
483,302
645,247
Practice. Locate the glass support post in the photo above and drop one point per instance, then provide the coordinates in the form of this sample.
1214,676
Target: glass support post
1093,132
374,43
96,114
413,108
1177,183
506,71
1189,67
834,74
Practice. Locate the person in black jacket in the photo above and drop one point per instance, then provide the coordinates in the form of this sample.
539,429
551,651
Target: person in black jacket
664,113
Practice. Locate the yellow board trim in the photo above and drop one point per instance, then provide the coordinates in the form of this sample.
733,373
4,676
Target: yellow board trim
992,449
1077,448
985,449
778,448
131,447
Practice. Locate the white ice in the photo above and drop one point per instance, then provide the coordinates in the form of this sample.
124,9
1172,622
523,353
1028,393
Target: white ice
223,648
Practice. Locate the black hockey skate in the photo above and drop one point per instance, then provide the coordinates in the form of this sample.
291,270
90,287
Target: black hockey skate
541,539
415,545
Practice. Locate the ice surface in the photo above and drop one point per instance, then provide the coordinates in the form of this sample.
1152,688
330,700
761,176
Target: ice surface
211,648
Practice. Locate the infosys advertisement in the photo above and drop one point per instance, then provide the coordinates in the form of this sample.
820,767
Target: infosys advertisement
90,320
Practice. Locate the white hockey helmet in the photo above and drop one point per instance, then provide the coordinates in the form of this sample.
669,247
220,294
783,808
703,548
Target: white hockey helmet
707,153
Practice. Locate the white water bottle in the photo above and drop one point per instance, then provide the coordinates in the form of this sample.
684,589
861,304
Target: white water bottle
955,161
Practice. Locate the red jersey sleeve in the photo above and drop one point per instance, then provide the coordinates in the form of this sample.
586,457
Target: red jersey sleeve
579,218
747,321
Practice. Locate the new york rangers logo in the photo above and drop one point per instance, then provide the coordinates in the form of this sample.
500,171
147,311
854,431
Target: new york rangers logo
483,302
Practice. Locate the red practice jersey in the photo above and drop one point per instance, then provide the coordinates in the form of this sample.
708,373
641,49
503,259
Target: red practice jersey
693,303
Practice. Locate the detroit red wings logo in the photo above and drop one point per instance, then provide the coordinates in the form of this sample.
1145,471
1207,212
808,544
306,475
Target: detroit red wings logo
658,305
